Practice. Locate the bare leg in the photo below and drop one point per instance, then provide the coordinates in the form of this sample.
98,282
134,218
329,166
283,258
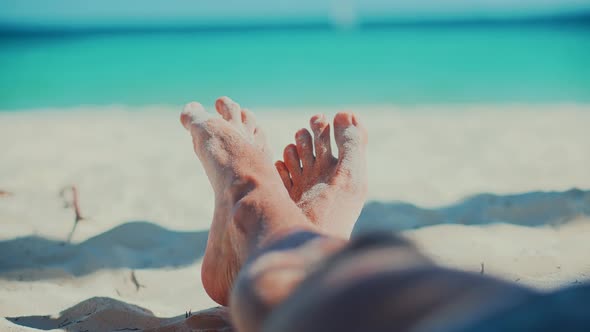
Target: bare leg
330,191
259,232
251,206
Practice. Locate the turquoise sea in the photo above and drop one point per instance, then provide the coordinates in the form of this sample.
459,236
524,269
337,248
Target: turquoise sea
411,64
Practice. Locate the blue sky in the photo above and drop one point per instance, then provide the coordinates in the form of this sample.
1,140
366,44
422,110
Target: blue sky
96,11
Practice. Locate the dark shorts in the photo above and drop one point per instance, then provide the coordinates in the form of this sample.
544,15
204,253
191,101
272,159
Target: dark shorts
420,297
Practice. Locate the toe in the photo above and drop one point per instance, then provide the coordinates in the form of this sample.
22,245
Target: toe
284,173
291,159
362,129
229,109
304,147
349,137
321,132
193,117
249,120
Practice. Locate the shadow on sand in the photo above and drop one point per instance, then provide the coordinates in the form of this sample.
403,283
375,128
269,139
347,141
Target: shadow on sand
142,245
133,245
138,245
528,209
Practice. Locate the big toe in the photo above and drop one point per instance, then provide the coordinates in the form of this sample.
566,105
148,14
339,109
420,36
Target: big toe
193,115
349,133
193,118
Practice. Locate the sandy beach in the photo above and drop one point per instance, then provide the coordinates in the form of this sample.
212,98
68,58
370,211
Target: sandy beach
500,190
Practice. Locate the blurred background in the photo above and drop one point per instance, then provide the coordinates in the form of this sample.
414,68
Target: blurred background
273,53
474,108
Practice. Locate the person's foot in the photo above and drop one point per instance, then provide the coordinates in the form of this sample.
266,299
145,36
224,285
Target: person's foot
251,206
331,192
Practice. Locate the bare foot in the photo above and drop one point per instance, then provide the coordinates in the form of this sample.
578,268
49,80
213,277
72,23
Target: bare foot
251,206
331,192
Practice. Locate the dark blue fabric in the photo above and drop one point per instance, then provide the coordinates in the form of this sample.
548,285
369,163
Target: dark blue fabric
565,310
289,242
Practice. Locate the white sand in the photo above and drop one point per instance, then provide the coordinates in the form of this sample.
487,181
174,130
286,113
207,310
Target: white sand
139,166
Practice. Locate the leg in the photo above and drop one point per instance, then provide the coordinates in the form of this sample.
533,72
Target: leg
331,193
301,283
251,205
253,211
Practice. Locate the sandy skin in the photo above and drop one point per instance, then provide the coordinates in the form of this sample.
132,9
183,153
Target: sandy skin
330,191
251,206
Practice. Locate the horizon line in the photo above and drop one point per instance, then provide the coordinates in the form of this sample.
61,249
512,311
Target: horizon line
577,18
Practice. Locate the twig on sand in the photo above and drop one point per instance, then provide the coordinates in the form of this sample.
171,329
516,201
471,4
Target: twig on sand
4,193
482,271
73,203
135,281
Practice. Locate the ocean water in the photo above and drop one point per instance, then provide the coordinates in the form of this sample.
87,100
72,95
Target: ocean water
299,67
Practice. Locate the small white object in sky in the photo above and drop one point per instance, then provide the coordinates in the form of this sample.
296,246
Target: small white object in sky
343,13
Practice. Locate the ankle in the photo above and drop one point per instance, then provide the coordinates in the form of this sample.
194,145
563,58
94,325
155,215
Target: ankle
265,216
